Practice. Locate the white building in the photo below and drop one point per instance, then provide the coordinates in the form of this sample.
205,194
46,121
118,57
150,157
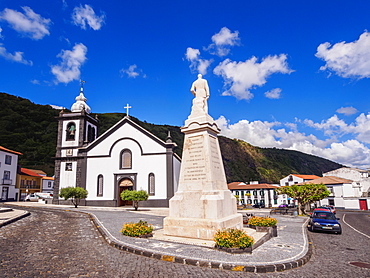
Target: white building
257,194
8,172
360,177
345,193
296,178
47,184
125,157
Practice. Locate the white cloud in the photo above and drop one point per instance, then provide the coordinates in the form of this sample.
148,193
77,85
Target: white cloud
35,82
271,134
196,63
83,16
29,23
132,71
16,57
347,110
241,77
192,54
349,60
56,107
69,68
223,40
1,36
273,94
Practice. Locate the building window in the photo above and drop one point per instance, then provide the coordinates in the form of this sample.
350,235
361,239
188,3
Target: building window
8,160
90,133
126,159
262,193
6,175
249,201
255,193
68,166
49,184
100,186
275,201
287,184
71,131
290,178
151,184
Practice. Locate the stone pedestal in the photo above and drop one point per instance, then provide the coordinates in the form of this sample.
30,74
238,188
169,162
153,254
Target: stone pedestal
203,203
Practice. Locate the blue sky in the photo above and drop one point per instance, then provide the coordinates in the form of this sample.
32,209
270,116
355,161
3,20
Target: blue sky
285,74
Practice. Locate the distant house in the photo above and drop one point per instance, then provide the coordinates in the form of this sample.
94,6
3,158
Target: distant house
296,178
8,174
359,176
48,184
28,182
345,193
257,194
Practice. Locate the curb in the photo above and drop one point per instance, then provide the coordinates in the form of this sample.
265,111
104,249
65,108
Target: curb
245,268
11,220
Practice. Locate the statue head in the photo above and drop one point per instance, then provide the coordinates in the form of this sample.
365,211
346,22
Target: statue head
199,76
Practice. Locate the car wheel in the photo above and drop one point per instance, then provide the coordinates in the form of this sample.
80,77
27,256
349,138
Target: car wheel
340,232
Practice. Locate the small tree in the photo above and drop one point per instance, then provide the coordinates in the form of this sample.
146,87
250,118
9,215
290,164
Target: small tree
73,193
134,196
305,194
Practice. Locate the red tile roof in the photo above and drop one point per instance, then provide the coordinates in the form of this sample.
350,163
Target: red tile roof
327,180
242,185
9,151
306,177
28,172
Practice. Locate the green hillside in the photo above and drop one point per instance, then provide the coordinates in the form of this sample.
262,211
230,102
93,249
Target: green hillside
32,130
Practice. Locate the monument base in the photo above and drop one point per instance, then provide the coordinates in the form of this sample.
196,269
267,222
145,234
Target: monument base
200,228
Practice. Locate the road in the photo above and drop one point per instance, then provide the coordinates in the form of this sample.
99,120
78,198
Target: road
53,243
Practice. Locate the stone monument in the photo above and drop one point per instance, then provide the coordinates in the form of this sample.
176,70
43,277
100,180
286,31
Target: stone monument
203,203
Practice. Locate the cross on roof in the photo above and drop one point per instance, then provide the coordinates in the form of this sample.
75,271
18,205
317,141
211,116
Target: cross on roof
127,108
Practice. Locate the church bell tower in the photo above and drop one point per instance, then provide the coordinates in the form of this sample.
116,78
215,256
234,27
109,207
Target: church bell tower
76,129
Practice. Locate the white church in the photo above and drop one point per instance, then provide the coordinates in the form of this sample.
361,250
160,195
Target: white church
124,157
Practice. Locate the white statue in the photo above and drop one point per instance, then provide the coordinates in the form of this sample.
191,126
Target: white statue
200,90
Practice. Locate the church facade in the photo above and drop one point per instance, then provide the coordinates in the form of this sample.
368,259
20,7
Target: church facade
124,157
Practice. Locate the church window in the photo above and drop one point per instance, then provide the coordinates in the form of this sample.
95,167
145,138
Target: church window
151,184
68,166
290,178
71,131
126,159
100,186
90,133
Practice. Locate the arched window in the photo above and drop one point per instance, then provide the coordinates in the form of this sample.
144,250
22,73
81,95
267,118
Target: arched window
71,131
100,186
151,184
90,133
126,159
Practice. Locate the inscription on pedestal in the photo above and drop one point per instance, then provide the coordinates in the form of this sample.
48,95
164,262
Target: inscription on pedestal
215,157
194,169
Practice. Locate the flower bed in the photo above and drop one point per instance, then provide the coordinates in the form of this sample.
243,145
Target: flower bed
262,221
140,229
233,241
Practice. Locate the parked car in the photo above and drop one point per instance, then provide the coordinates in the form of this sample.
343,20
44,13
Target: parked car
292,205
322,209
34,197
283,206
332,208
324,220
258,206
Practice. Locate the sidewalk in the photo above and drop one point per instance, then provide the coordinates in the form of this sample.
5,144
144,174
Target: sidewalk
288,250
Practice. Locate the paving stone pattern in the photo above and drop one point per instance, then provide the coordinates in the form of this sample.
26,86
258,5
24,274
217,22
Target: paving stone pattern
56,243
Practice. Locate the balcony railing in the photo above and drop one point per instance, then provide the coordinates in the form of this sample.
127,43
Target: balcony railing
7,181
31,186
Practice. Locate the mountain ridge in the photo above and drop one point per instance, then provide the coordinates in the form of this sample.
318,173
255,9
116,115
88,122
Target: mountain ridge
31,129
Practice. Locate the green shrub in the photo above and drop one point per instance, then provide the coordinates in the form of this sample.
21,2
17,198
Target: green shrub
232,238
137,229
262,221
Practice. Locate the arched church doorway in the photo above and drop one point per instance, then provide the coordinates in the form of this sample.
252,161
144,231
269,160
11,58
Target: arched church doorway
125,184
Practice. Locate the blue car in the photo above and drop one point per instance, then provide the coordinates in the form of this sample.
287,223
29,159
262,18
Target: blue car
324,221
